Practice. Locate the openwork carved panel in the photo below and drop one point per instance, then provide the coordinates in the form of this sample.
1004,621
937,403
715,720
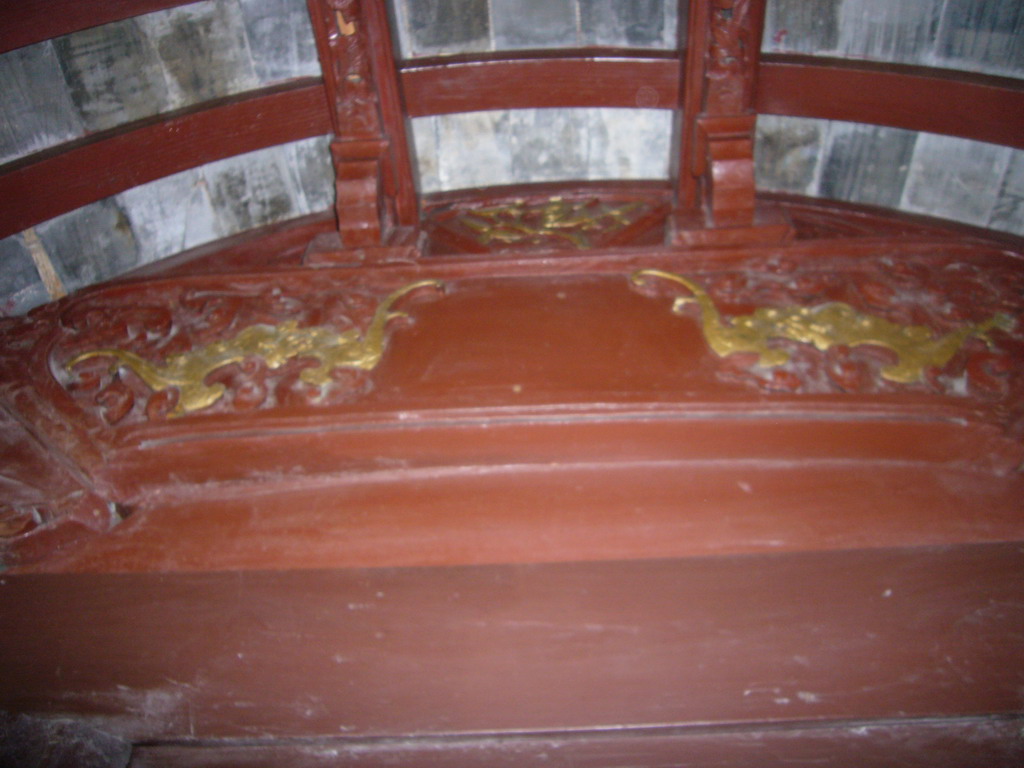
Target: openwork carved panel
225,350
950,333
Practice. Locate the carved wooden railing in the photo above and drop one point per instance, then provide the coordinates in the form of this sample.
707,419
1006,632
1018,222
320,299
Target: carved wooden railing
715,86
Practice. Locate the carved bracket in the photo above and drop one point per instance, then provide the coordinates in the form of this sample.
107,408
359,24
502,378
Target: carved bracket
723,58
375,192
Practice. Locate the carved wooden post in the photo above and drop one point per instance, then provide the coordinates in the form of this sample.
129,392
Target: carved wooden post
375,191
716,173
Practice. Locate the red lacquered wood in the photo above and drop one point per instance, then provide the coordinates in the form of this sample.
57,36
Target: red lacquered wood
399,183
46,184
563,79
978,107
24,22
976,742
736,641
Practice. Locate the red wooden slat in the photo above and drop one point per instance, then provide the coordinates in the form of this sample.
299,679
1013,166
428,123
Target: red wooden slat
442,86
24,22
49,183
978,107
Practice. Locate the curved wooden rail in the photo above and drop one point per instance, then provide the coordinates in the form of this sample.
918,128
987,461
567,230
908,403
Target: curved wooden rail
978,107
49,183
577,78
24,22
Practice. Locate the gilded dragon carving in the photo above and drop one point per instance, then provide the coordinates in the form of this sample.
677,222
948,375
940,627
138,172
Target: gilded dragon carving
823,326
276,345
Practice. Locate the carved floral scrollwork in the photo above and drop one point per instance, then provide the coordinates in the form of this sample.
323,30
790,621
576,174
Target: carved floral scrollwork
821,344
255,359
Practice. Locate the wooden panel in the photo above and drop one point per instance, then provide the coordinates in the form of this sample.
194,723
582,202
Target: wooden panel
69,176
983,742
735,640
463,84
31,21
977,107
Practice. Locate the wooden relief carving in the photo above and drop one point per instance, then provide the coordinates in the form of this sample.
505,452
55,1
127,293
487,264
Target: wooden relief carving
355,95
556,222
828,345
225,351
730,58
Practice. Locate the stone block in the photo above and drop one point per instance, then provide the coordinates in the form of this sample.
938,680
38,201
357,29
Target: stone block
955,178
983,36
628,23
424,131
866,163
547,144
628,143
280,39
204,49
1008,213
521,24
114,74
883,30
787,153
430,27
20,286
311,163
36,110
90,244
170,215
473,150
796,26
252,190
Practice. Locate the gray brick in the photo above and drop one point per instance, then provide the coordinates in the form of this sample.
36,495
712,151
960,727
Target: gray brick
884,30
473,150
955,178
427,158
1008,213
204,50
281,39
20,286
547,144
787,152
984,36
114,74
628,143
428,27
628,23
36,110
866,164
311,163
796,26
251,190
90,244
533,24
170,215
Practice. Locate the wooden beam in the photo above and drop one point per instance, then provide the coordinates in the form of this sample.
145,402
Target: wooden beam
31,21
978,107
49,183
440,86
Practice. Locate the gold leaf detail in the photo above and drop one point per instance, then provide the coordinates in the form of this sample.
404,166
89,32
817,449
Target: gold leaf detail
824,326
275,344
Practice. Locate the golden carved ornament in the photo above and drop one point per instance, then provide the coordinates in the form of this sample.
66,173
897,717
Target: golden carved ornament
824,326
519,221
276,345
